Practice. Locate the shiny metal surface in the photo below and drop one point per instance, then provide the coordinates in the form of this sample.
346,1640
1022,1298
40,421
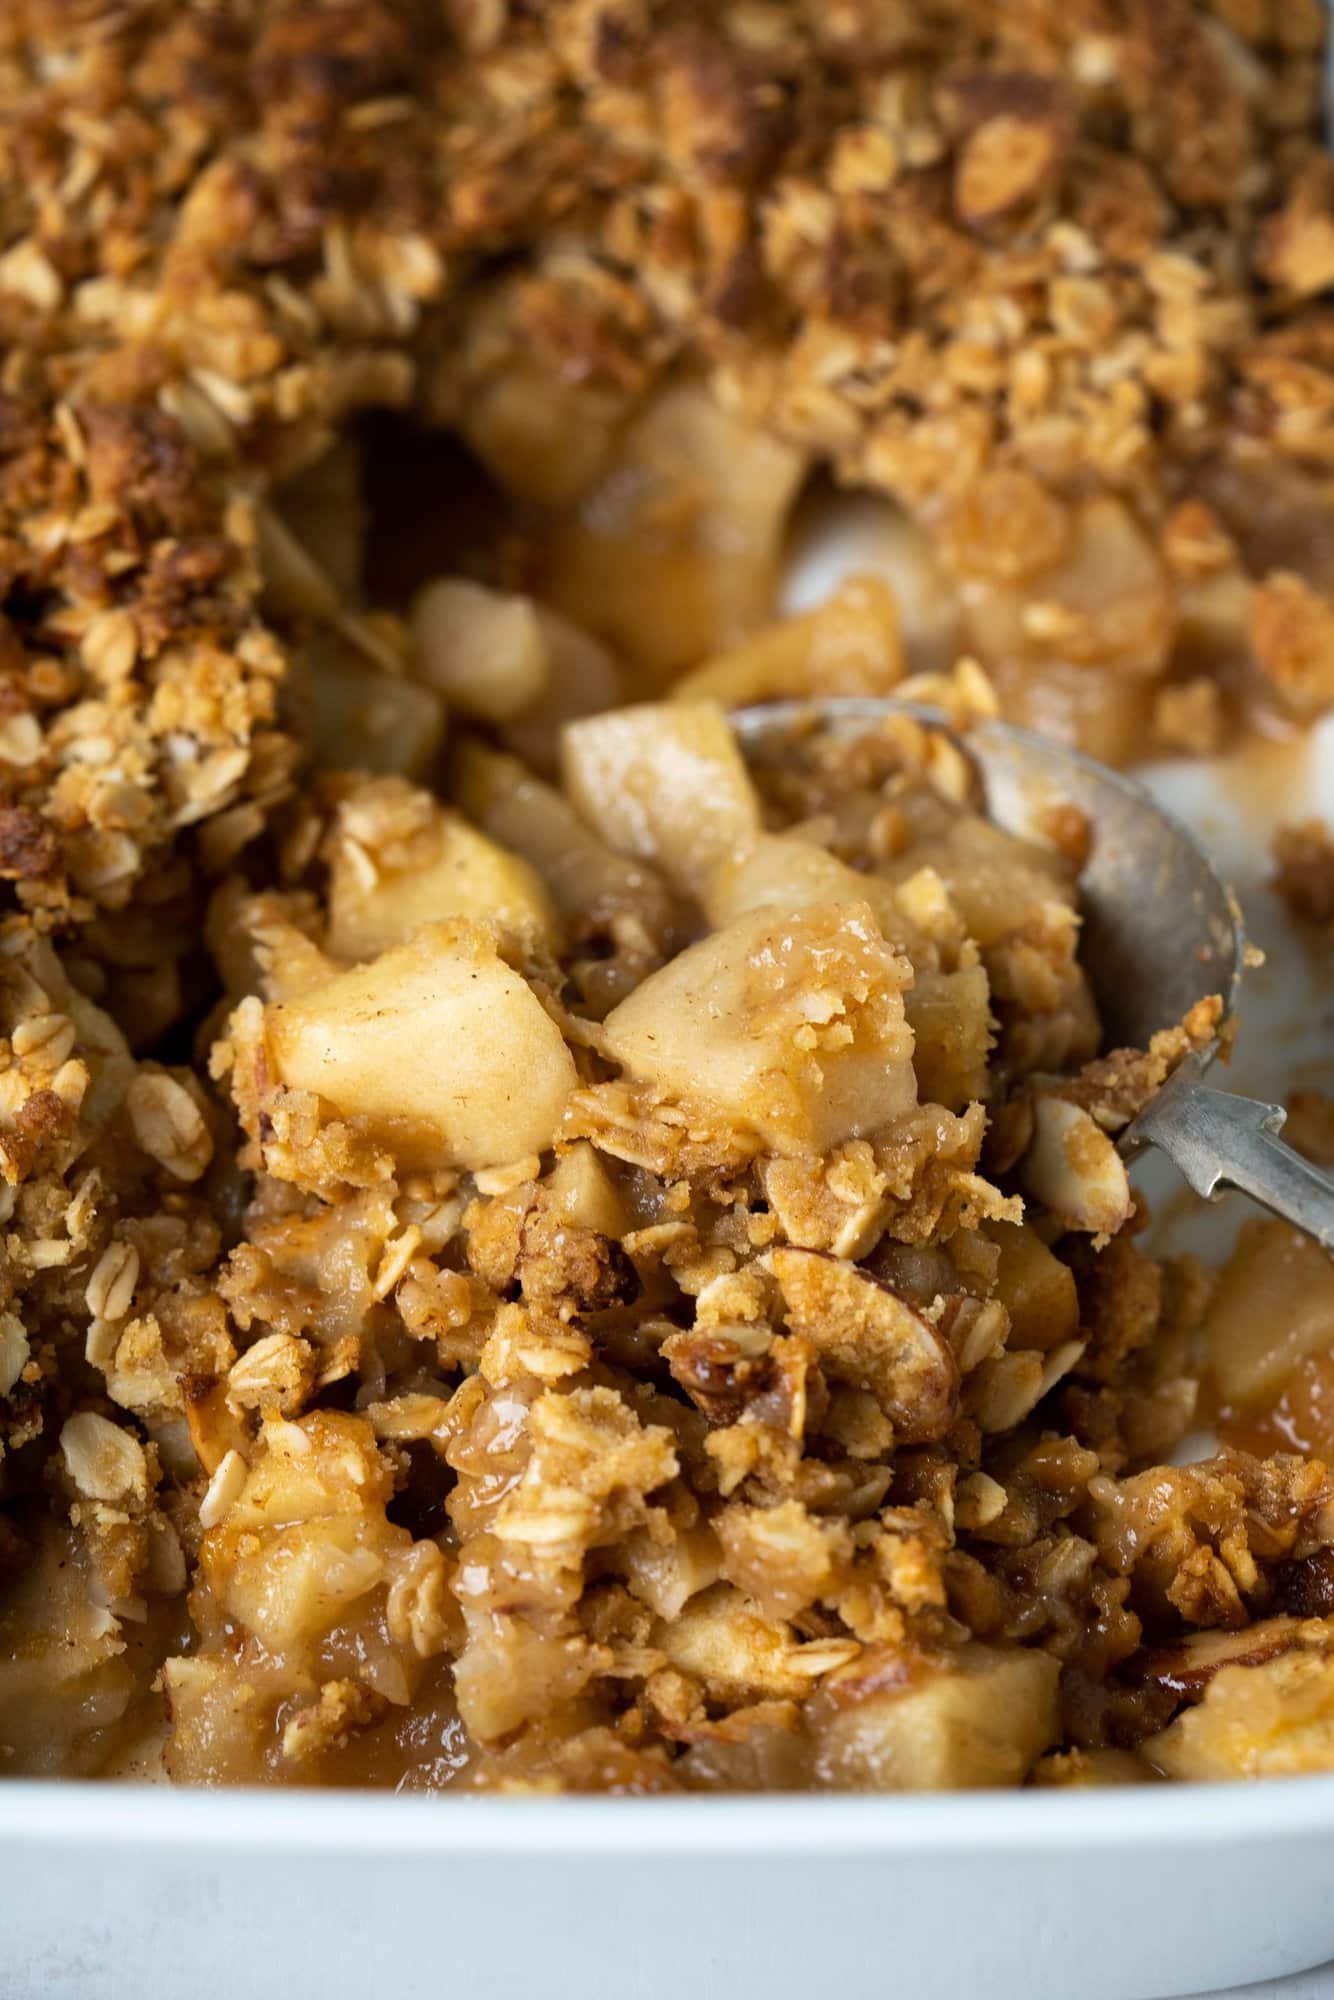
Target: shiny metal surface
1218,1140
1161,931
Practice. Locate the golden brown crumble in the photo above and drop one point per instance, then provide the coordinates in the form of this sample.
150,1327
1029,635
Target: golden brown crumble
535,1256
1304,870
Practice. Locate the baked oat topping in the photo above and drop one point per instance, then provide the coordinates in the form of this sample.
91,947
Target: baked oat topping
538,1255
1304,869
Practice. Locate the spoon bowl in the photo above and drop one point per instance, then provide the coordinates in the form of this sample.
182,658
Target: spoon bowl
1161,931
1161,928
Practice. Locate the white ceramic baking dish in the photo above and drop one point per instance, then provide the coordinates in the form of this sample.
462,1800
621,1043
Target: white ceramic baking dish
1107,1895
111,1891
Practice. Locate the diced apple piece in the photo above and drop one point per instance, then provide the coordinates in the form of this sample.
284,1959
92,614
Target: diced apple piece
483,650
307,1535
510,1672
291,1589
665,782
445,1051
868,1336
674,552
582,1192
1035,1287
786,872
1099,710
66,1673
1073,1169
848,645
777,871
288,962
1000,884
325,1464
450,871
502,382
586,878
584,678
356,717
722,1639
983,1719
790,1027
666,1575
1273,1308
1103,597
950,1016
1269,1721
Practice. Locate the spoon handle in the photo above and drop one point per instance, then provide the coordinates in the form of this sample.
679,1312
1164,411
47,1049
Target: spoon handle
1218,1141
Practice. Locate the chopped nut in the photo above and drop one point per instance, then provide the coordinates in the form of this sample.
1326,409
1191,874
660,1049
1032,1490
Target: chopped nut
1075,1169
1005,163
980,1501
869,1336
14,1351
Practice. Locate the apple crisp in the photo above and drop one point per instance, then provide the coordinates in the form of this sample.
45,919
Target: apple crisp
541,1255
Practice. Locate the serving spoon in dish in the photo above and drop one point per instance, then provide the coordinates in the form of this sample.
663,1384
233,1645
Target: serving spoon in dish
1161,931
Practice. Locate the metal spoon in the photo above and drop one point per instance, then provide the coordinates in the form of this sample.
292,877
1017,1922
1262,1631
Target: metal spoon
1161,931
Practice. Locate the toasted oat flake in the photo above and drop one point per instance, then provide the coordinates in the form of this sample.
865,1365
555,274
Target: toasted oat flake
110,1290
224,1490
169,1125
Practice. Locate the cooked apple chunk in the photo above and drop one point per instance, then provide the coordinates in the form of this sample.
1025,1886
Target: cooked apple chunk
586,878
984,1717
786,871
1273,1309
305,1533
584,679
781,871
1035,1287
950,1016
849,645
665,782
790,1027
439,1045
382,891
1268,1721
674,550
1073,1169
483,650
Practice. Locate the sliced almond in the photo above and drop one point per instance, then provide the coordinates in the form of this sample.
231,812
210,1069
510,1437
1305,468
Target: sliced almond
867,1335
1073,1169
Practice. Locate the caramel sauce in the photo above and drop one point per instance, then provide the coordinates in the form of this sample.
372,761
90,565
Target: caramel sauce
420,1748
1300,1418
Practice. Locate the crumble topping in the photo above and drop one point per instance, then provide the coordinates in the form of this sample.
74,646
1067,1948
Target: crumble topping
1304,869
536,1256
